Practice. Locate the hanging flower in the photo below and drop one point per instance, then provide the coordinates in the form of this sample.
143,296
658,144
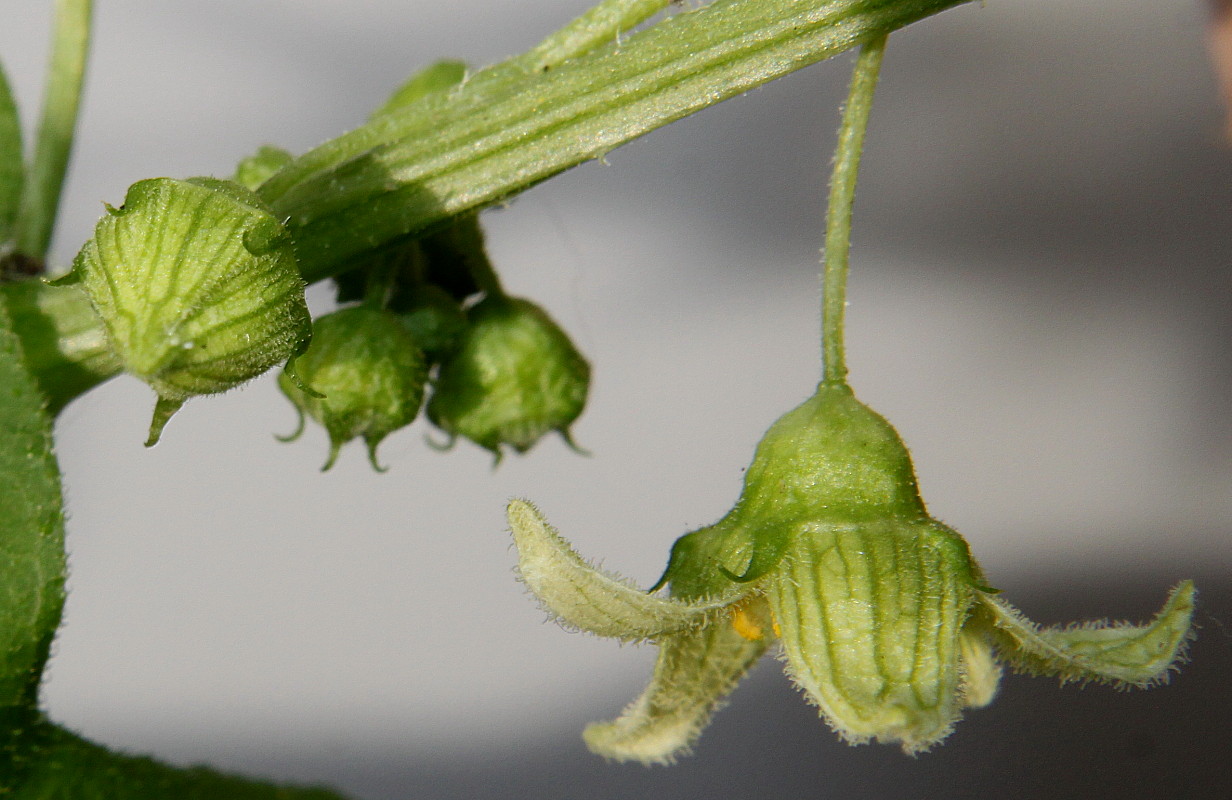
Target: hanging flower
884,619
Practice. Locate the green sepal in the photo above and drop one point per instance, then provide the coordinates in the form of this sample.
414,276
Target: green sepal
769,547
1117,653
434,319
164,409
580,596
694,672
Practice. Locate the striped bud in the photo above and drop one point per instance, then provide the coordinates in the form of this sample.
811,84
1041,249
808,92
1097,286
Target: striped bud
198,288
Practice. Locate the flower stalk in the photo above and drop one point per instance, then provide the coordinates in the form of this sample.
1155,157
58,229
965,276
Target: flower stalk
838,212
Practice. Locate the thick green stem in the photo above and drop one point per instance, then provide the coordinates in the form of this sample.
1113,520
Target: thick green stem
65,76
838,214
509,127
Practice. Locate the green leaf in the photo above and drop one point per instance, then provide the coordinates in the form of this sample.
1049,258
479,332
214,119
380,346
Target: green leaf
63,766
12,170
510,126
32,565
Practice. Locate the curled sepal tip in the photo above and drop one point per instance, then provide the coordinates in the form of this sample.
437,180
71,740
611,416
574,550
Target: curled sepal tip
1117,653
581,596
693,674
164,410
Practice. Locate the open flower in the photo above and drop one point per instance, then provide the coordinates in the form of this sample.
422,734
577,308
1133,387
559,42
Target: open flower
885,621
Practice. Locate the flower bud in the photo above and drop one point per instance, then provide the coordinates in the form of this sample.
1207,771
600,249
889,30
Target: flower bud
514,376
197,286
434,319
257,168
369,373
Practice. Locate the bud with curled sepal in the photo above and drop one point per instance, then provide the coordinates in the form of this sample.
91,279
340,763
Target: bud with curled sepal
369,372
514,377
197,286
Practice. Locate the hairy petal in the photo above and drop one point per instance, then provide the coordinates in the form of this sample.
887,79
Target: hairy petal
1121,654
581,596
693,674
981,674
869,615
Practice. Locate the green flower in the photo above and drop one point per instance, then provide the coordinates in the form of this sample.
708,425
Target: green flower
884,619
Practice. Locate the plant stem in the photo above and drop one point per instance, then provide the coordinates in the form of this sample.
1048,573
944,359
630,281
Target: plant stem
508,128
65,75
838,214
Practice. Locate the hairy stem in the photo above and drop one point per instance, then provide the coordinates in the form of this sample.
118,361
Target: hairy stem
838,213
65,76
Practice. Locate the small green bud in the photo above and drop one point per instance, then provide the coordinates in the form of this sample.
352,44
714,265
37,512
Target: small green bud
514,377
435,320
197,286
257,168
370,373
434,78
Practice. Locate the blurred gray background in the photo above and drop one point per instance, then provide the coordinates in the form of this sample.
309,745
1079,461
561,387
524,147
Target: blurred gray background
1040,303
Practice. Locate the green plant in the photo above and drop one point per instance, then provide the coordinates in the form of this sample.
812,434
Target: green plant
384,204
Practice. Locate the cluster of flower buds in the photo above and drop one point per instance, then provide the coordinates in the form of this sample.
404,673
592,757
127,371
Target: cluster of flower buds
501,373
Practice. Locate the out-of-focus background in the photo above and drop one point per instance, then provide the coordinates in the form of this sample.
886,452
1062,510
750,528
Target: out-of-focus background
1040,303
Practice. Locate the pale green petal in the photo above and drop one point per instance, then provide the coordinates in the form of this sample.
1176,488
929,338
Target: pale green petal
581,596
869,615
1123,654
693,674
981,674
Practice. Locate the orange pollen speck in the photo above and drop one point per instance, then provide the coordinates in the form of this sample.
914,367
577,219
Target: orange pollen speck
744,623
